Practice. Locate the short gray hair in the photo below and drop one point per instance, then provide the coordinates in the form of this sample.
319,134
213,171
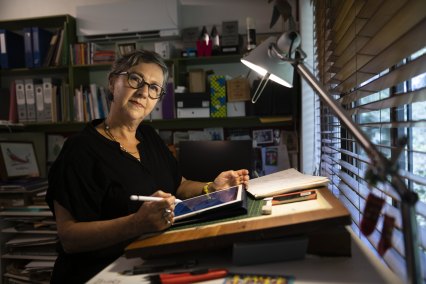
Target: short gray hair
136,57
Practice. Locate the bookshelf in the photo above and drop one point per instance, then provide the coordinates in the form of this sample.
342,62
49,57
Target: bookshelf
73,76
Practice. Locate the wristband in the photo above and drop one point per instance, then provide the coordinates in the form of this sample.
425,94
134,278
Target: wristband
206,188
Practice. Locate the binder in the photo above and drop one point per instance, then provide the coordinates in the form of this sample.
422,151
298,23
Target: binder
104,100
12,50
78,104
30,100
47,99
94,102
38,90
4,104
28,44
13,108
41,42
20,100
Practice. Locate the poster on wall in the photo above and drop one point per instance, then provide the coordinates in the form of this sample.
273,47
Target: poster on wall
18,159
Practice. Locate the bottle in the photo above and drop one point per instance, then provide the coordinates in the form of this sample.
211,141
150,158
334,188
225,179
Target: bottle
215,41
251,33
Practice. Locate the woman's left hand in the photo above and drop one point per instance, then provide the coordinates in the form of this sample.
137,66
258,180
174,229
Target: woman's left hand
231,178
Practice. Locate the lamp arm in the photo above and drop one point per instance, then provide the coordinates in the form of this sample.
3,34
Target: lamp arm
381,168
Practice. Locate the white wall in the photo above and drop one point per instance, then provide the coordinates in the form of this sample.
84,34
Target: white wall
193,12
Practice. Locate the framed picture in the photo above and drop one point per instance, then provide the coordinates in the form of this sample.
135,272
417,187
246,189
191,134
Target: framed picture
18,159
263,136
126,47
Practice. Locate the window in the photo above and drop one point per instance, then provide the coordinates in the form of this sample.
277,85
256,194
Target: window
371,56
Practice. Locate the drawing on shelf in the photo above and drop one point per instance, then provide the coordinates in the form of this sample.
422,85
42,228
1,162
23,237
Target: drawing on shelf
18,160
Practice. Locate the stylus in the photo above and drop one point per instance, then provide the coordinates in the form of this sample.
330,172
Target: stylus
149,198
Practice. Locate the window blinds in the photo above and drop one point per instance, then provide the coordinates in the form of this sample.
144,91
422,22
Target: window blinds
371,56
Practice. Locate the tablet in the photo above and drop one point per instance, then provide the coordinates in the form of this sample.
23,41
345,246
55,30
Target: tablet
225,200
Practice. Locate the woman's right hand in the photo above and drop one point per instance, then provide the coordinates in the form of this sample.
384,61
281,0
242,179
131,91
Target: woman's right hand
155,215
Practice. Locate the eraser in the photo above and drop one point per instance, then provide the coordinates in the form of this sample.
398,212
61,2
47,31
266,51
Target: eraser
267,208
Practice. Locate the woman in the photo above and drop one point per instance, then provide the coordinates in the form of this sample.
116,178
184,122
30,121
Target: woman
98,169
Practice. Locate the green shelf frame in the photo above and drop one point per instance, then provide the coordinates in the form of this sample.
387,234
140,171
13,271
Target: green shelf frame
165,124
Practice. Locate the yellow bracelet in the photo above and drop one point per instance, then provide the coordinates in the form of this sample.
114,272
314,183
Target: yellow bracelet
206,188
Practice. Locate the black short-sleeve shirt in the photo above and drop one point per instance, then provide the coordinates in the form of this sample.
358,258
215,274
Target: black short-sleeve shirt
93,179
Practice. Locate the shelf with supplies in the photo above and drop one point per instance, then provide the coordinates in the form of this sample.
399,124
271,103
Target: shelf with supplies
177,123
29,240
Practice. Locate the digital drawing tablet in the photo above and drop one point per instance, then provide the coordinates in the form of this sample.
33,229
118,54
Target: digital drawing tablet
202,207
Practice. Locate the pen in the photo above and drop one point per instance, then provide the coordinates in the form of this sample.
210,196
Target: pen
188,277
149,198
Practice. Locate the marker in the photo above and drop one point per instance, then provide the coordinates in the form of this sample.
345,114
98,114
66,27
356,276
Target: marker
149,198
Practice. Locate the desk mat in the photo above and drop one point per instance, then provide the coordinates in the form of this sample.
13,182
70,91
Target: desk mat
254,208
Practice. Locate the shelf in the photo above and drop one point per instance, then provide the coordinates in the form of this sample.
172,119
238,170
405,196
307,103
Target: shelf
219,59
33,257
32,71
41,232
171,124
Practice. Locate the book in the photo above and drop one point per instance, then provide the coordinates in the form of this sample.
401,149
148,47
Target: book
48,60
56,60
282,182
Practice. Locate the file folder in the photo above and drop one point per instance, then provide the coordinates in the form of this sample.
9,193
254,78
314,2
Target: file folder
38,90
30,100
47,99
41,43
28,44
20,100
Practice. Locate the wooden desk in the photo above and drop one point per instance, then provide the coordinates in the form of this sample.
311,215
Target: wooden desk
362,267
286,220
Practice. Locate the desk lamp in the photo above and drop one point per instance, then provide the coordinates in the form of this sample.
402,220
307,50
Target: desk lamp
275,59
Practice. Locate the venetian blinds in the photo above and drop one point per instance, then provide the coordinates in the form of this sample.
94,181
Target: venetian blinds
371,56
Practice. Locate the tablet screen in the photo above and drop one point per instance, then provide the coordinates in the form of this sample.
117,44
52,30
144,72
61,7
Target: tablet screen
203,203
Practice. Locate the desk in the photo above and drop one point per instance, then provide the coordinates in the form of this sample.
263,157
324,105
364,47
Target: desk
362,267
325,212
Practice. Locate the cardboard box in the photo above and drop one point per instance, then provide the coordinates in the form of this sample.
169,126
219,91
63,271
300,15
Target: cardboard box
193,112
238,90
197,81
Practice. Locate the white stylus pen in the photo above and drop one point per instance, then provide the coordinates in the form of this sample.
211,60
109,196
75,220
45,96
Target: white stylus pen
149,198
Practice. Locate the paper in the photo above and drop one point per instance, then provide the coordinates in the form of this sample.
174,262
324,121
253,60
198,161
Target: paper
283,182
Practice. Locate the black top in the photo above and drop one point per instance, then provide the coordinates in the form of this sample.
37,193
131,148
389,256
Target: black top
93,179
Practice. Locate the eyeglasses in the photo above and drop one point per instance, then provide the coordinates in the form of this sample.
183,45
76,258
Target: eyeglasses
136,82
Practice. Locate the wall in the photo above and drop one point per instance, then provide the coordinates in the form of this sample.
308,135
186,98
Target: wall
193,12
